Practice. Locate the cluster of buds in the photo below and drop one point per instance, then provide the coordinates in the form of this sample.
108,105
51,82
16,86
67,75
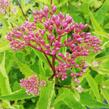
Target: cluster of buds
50,33
3,5
32,84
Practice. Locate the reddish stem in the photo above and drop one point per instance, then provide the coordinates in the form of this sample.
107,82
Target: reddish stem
48,61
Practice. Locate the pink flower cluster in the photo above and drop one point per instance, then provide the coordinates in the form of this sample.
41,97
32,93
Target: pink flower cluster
50,33
32,84
3,5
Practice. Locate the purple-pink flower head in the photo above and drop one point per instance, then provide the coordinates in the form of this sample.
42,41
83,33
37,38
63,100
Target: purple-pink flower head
58,37
32,84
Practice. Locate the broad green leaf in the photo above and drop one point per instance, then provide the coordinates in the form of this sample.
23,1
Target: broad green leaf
93,85
87,100
46,95
68,98
17,95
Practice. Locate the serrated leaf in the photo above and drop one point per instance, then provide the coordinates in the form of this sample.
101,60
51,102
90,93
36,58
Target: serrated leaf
17,95
68,98
88,101
94,86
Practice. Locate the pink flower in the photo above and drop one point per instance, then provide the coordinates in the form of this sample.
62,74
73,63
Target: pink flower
32,84
3,6
58,37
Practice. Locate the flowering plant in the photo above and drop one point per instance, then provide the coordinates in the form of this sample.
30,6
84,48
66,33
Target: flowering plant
50,33
60,39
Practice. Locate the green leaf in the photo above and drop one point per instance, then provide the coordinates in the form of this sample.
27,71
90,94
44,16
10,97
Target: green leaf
43,63
85,8
93,85
105,84
4,46
106,26
87,100
105,94
103,65
46,96
68,98
41,69
5,88
97,27
4,80
17,95
100,15
24,68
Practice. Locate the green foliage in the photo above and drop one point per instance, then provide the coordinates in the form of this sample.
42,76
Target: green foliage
93,85
66,96
46,96
89,101
17,95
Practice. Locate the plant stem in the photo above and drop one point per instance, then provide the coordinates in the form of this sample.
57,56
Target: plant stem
22,10
51,2
48,61
53,63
